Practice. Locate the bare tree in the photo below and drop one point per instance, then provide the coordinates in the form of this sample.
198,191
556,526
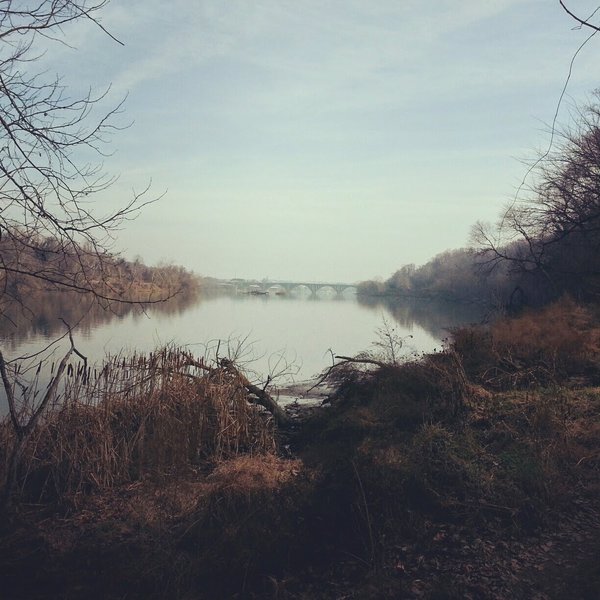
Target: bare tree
583,22
550,236
53,231
553,233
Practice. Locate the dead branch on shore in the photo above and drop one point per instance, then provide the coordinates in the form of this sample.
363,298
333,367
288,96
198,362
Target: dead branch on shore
361,361
262,397
257,395
345,361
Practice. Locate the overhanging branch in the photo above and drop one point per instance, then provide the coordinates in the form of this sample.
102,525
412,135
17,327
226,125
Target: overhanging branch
578,19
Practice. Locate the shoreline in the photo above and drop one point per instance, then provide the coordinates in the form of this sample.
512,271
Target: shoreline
307,393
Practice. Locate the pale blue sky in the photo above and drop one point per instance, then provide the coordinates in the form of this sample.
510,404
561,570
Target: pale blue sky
325,140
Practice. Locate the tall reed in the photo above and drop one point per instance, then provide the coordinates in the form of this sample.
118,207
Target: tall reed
137,416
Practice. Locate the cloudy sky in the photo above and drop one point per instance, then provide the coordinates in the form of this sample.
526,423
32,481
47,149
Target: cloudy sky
324,140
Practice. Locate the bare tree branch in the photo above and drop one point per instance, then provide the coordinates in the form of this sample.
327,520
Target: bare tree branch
583,22
54,232
51,230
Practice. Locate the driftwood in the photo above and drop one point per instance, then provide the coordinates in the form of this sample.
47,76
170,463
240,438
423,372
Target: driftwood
361,361
345,360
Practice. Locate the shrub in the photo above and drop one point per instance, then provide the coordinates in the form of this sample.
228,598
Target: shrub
558,343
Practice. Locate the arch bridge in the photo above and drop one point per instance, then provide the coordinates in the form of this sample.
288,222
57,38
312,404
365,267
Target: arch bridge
290,286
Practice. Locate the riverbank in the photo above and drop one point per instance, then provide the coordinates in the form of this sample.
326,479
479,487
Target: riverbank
470,473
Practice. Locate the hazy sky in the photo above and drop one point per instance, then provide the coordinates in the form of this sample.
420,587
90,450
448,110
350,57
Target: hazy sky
325,140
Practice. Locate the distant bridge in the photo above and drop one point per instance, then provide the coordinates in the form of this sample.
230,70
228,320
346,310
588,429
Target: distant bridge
242,285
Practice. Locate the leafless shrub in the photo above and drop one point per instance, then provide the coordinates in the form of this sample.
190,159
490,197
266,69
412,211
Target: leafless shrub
553,345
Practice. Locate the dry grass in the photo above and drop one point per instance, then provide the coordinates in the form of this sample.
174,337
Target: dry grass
434,387
423,436
555,344
138,416
249,522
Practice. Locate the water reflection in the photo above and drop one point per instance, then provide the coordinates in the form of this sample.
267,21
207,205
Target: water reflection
299,327
42,314
437,317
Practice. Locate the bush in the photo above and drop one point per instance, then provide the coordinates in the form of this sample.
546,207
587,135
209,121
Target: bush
558,343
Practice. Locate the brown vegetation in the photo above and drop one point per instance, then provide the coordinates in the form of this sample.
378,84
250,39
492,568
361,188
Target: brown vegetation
104,277
134,417
557,344
443,477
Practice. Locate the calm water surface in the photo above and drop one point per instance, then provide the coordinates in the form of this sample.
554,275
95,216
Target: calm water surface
297,331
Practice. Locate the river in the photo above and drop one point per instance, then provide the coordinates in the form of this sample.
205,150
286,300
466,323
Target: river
291,336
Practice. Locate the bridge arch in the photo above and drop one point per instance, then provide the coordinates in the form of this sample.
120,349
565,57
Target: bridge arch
280,287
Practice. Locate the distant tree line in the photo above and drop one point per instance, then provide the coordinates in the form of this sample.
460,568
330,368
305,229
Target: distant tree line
546,243
451,275
35,264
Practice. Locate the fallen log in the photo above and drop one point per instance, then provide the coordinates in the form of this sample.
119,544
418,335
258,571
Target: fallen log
261,396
